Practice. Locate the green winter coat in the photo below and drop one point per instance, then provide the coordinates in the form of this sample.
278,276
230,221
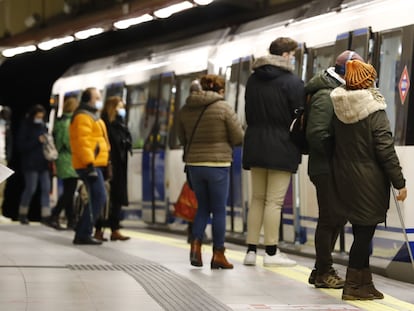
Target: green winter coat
64,166
365,163
319,129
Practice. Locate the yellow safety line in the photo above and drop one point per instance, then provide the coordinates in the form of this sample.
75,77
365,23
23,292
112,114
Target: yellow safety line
297,273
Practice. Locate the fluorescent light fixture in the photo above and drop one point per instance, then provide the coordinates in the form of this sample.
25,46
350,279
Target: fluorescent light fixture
125,23
47,45
19,50
84,34
135,68
172,9
203,2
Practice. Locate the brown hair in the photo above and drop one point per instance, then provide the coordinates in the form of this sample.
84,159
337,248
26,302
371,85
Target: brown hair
282,45
212,83
70,104
110,106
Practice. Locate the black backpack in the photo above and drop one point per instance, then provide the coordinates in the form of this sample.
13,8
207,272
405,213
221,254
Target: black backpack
298,126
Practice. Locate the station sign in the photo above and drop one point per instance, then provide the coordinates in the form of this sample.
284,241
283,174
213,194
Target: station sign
404,85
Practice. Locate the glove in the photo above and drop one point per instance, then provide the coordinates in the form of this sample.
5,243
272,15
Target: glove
91,171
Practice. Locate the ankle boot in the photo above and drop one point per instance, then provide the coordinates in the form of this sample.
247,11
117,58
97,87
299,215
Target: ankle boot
99,235
219,260
369,285
195,253
116,235
354,288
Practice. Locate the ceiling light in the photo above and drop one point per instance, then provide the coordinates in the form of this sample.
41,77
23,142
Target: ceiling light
19,50
172,9
84,34
203,2
125,23
47,45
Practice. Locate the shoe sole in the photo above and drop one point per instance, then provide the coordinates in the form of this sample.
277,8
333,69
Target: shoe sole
323,285
249,263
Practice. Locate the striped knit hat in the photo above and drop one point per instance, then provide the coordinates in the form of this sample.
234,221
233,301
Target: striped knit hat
359,75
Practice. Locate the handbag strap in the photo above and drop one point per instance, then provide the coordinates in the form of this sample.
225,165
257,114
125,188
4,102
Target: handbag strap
187,146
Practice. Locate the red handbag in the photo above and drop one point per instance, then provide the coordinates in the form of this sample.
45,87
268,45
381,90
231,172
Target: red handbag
186,205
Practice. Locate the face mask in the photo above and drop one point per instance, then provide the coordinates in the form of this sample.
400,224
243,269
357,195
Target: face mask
99,104
38,121
121,112
292,61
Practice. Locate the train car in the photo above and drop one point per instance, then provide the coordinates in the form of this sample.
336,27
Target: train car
154,82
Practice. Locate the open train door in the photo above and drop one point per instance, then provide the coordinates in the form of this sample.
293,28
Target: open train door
395,71
239,179
161,97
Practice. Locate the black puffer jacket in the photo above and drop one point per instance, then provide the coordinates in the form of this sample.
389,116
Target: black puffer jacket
365,162
273,93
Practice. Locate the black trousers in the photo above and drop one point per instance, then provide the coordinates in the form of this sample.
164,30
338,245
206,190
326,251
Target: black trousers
65,201
330,221
361,248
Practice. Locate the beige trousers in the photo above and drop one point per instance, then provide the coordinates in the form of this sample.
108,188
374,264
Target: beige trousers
268,193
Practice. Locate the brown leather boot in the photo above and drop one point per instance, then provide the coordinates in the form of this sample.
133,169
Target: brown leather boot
369,285
117,236
195,253
219,260
99,235
354,288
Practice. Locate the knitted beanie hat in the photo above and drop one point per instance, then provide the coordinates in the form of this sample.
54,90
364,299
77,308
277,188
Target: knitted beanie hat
359,75
343,58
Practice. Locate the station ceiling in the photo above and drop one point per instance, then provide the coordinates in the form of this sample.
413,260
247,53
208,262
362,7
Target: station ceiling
27,79
24,22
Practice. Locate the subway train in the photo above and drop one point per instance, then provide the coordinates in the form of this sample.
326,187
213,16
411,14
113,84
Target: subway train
154,82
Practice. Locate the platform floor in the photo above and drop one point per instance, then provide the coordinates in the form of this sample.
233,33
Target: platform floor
41,270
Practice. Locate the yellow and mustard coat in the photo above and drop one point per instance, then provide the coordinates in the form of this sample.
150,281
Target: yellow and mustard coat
88,139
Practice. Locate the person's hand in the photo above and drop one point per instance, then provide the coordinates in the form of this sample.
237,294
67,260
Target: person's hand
402,194
91,171
42,139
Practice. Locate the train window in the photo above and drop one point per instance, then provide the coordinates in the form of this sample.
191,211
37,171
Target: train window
236,85
115,89
137,96
323,58
183,84
390,62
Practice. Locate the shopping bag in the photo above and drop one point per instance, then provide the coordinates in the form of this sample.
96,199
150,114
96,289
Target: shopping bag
186,205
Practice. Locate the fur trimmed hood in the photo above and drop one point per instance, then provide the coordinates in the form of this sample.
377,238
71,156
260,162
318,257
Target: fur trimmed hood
351,106
273,60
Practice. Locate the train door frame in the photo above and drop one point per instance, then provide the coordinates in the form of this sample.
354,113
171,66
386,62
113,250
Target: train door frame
236,79
155,153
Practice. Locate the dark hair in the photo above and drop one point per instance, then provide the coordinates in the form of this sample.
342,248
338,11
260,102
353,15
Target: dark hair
282,45
36,109
87,94
109,109
212,83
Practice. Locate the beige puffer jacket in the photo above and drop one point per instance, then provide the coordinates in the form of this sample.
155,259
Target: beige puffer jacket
217,132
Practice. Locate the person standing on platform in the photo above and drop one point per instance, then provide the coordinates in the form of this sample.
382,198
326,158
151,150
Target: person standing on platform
273,93
365,164
90,154
320,138
34,165
113,114
64,168
208,155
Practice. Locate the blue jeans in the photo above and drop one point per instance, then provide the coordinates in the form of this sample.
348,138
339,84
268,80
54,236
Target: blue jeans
31,178
97,199
211,186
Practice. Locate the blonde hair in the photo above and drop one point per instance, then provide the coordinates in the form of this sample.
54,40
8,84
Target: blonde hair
110,106
70,104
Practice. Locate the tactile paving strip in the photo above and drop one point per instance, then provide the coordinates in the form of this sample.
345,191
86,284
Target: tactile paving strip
172,291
